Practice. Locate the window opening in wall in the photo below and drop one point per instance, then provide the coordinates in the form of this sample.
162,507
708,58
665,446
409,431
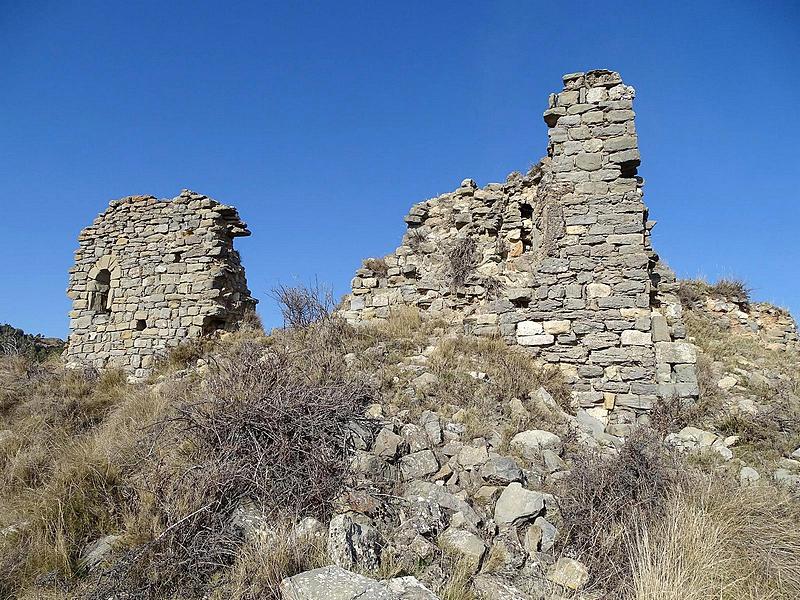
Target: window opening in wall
176,257
99,292
141,324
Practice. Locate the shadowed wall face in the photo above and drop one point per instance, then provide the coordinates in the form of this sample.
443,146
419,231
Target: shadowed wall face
150,274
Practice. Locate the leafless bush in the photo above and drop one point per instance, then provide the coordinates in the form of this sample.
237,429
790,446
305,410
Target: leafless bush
264,432
603,500
303,305
462,260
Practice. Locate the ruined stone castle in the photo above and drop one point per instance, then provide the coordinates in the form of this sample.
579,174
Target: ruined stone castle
150,274
557,261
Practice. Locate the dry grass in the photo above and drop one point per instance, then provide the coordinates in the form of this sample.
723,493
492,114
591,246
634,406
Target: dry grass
377,266
511,373
62,471
463,260
457,585
719,541
693,291
266,559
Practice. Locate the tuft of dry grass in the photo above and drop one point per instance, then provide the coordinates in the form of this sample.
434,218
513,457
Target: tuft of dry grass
266,559
692,292
377,266
720,541
457,586
463,260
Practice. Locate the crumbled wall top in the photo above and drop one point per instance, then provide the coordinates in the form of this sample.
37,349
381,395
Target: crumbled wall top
150,274
557,261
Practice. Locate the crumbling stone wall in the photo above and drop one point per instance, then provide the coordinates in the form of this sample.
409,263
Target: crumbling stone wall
150,274
557,261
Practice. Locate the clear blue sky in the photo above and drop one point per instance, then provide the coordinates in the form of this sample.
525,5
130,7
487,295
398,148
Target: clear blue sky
324,122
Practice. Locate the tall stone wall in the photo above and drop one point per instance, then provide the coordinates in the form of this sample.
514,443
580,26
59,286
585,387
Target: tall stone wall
150,274
557,261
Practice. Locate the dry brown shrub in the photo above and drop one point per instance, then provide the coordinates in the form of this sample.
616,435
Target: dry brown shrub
463,259
302,306
269,429
377,266
604,499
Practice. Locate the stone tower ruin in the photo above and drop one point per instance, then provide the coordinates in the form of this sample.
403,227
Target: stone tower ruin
557,261
150,274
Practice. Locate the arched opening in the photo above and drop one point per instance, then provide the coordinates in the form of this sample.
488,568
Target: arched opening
99,292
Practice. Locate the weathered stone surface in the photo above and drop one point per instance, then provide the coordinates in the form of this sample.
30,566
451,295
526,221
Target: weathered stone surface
501,471
529,444
418,464
387,443
334,583
97,552
517,505
409,588
569,573
464,544
353,543
423,490
490,587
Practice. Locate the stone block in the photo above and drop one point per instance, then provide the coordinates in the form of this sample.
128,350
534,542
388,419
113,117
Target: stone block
633,337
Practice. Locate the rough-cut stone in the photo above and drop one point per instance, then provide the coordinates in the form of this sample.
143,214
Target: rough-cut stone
501,471
387,444
353,543
529,444
569,573
517,505
418,464
333,583
150,274
409,588
464,544
491,587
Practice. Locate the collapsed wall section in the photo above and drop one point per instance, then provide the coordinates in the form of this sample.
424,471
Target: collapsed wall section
150,274
557,261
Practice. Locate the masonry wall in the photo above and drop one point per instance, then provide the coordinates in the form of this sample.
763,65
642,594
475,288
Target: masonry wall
150,274
557,261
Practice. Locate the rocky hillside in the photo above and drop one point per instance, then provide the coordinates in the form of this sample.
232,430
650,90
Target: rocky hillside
15,341
402,460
